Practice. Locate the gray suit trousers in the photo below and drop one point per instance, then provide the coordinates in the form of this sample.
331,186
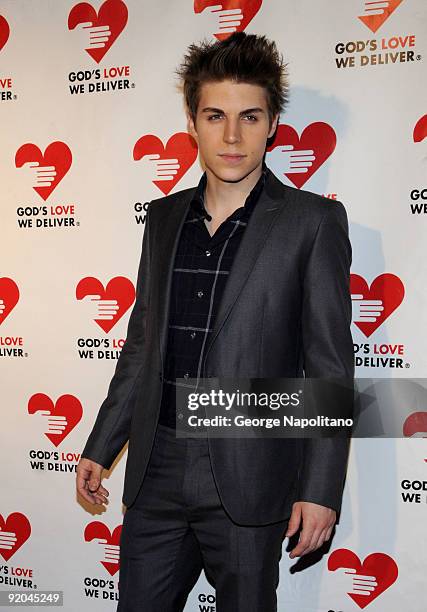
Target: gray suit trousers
177,527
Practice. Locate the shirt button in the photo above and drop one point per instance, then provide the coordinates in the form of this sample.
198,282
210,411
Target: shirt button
193,335
200,293
208,253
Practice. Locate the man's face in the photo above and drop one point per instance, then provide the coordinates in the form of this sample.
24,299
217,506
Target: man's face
231,128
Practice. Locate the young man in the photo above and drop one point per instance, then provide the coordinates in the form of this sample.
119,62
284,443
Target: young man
239,277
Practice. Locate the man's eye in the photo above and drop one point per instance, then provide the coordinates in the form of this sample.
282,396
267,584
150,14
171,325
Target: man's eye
251,118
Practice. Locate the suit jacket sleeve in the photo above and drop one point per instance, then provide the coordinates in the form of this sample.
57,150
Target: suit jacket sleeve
112,426
328,348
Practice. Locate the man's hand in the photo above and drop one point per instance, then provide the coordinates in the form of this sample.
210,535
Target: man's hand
317,524
88,482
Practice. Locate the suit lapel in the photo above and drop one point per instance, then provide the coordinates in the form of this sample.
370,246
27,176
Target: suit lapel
168,231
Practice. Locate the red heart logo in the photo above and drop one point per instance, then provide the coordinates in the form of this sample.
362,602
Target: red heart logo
415,423
180,146
386,287
96,529
56,154
374,22
9,293
249,9
319,137
113,13
19,525
4,32
118,288
420,130
380,565
66,405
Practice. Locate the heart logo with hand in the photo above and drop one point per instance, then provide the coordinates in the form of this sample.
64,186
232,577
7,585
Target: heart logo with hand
249,9
420,129
318,137
4,32
415,423
119,288
67,406
57,154
181,147
386,287
375,21
14,531
379,565
98,530
113,14
9,295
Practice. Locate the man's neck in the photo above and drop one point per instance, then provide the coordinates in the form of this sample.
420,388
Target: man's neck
222,198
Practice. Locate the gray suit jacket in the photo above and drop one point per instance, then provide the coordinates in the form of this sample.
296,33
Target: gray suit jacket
285,312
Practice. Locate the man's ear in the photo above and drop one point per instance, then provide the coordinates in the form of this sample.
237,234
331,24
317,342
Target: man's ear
191,128
274,125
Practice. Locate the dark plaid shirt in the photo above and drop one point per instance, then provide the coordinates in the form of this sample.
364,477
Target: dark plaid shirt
201,268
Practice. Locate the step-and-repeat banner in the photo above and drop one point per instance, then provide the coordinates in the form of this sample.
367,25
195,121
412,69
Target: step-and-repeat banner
87,94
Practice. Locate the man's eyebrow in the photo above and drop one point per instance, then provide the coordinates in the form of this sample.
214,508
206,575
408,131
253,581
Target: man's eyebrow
210,109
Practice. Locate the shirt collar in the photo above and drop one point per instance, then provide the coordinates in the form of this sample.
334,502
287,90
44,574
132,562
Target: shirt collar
198,200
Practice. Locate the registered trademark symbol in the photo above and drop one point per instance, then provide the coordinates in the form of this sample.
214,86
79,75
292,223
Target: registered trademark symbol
78,223
15,97
418,57
407,365
25,354
132,84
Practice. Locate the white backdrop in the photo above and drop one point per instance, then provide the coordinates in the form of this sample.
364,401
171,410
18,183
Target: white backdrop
358,101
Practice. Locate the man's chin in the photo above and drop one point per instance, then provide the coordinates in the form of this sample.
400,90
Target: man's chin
232,175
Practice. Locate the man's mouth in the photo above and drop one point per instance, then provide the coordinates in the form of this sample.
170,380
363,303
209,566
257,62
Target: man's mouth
232,157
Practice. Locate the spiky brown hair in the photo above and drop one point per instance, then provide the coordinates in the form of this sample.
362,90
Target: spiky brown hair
244,58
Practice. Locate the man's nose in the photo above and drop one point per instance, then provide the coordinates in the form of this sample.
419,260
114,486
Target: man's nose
231,131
